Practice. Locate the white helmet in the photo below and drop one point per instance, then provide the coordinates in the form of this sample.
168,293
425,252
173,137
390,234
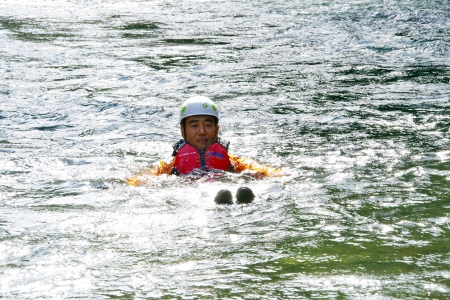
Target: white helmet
198,105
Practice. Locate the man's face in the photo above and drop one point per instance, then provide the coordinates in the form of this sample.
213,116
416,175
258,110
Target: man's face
200,131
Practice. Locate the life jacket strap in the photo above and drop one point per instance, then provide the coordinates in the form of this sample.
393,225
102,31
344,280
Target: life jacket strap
177,146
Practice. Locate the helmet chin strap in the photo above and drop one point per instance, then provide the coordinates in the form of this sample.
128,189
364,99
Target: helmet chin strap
183,131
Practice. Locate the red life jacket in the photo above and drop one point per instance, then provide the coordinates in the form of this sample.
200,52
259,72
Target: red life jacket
188,158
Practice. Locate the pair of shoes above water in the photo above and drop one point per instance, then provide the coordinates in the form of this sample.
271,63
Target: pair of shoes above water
243,195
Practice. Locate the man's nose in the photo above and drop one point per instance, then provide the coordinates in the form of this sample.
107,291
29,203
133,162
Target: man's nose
202,129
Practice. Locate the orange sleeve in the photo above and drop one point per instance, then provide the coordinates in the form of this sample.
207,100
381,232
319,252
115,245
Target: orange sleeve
243,164
161,167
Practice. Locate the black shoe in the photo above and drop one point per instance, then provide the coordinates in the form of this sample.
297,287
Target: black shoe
224,197
244,195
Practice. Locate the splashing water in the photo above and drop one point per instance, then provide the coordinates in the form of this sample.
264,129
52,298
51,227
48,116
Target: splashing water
349,98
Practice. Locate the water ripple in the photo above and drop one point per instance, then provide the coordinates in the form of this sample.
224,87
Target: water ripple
349,97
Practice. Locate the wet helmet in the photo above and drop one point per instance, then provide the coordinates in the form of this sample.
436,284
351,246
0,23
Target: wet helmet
198,105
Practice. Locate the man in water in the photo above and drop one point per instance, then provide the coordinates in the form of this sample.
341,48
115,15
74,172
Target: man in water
201,152
201,147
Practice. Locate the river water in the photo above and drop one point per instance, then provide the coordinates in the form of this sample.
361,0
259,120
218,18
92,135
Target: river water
349,97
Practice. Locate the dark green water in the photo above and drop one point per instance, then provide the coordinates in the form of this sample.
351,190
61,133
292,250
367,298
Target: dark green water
351,98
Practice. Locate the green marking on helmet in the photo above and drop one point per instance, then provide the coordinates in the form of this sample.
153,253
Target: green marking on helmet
214,107
183,109
205,106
